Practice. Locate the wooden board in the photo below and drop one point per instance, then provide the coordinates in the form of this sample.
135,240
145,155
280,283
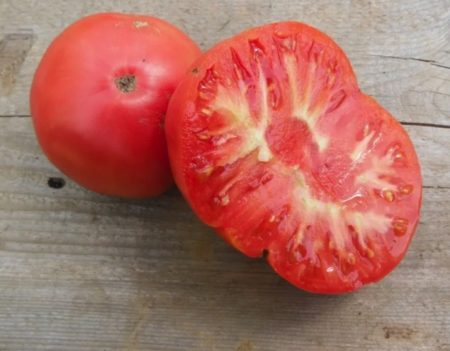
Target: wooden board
80,271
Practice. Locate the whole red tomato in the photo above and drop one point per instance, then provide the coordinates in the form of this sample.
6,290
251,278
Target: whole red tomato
99,98
275,146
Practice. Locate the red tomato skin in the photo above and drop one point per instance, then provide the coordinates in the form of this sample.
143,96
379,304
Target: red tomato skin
105,139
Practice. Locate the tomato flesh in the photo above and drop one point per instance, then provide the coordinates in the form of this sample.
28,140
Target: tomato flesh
273,144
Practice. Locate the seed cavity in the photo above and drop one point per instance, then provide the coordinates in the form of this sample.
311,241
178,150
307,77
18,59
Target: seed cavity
274,93
336,101
242,73
219,140
256,48
285,42
207,88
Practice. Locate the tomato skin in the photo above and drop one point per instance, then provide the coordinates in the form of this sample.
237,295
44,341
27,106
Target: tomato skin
274,145
109,140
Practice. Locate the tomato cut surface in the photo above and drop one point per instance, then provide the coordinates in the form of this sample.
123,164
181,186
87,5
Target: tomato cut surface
273,145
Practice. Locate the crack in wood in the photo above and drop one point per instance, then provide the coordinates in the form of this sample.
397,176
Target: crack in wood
439,65
434,187
405,58
417,59
15,116
421,124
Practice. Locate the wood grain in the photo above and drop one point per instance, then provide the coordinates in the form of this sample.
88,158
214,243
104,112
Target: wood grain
80,271
83,271
400,50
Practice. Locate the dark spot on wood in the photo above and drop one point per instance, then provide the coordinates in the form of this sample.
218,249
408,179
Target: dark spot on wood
14,48
399,332
359,313
245,346
56,182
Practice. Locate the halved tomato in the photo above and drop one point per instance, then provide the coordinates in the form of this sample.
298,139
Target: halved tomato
273,145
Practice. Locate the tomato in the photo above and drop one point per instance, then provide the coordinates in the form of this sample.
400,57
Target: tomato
274,145
99,98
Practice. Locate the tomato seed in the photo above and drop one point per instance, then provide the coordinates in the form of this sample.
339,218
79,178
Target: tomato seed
206,111
370,253
400,226
332,245
222,200
406,189
351,259
203,136
330,269
398,155
388,195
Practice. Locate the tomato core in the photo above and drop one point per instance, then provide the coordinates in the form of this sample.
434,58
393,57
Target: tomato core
126,84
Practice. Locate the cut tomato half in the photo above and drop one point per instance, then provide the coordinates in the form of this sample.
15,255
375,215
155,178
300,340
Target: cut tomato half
273,145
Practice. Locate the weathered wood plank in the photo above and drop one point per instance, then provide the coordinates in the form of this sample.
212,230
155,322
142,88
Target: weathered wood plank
83,271
80,271
146,276
400,49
